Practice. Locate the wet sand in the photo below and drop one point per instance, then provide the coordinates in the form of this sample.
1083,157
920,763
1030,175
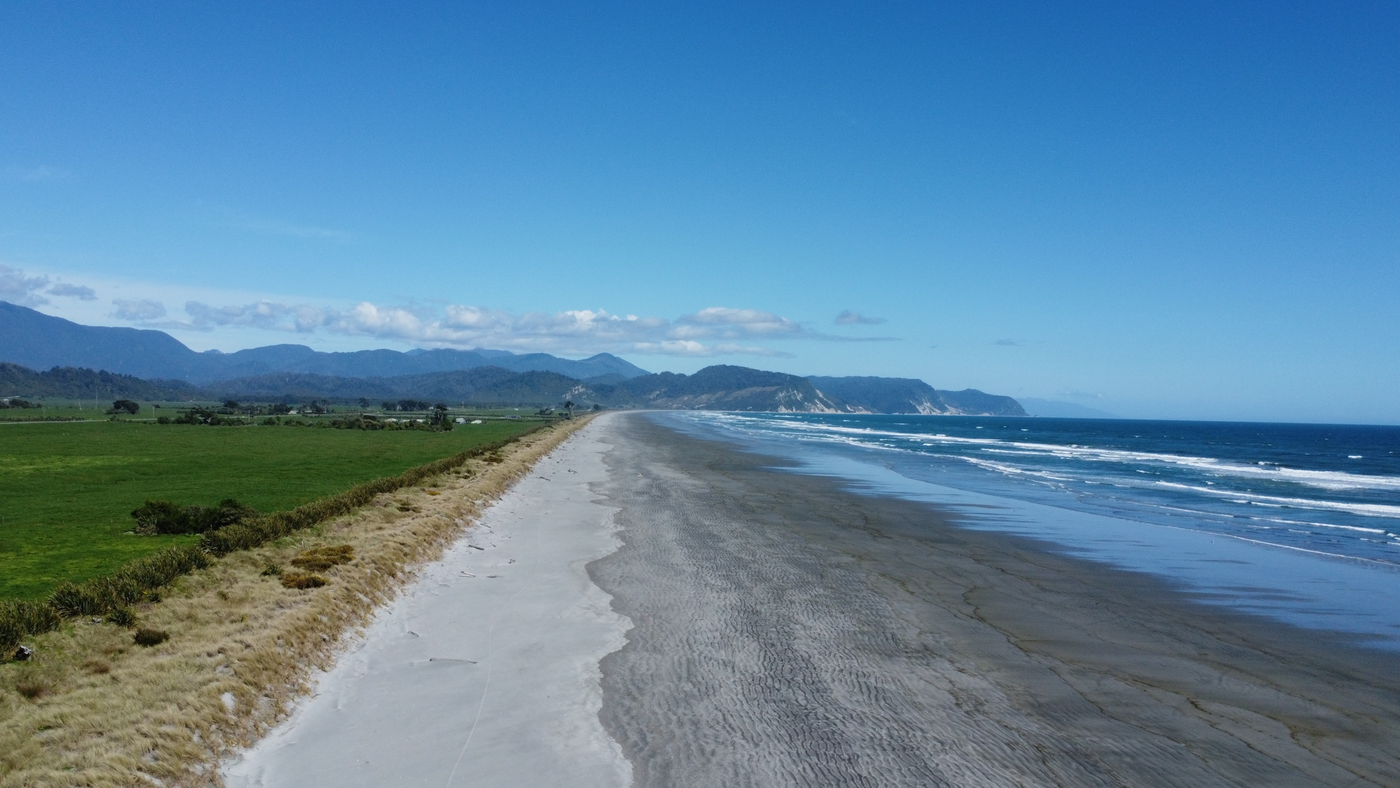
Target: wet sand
788,632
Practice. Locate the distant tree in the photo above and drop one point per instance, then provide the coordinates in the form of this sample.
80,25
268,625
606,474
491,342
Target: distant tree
569,406
438,417
125,406
364,403
231,404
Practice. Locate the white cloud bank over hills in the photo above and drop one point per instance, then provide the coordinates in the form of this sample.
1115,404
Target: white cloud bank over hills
712,331
19,288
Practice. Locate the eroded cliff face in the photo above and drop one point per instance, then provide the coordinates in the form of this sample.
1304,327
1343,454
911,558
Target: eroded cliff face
772,399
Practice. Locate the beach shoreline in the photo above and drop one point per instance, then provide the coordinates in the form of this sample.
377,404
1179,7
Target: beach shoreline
714,619
791,631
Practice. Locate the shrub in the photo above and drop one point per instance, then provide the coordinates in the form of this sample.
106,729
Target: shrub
271,570
164,517
21,618
133,582
161,568
72,600
302,580
150,637
122,617
319,559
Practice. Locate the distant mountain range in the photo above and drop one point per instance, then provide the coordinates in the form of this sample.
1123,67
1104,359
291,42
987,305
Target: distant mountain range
152,365
39,341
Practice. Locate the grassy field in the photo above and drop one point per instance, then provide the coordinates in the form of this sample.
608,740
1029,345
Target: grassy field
67,490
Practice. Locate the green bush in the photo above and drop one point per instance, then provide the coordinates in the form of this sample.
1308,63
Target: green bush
133,583
21,618
122,617
164,517
72,600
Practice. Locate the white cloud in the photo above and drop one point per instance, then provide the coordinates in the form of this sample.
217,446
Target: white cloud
138,311
688,347
266,315
17,288
211,318
730,323
81,292
709,332
849,318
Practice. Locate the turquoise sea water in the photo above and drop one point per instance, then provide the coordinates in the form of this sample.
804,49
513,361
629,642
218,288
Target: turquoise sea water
1296,522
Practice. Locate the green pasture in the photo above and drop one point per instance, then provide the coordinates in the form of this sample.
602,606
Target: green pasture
67,489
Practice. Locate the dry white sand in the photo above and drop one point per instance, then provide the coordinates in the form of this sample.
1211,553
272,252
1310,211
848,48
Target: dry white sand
485,672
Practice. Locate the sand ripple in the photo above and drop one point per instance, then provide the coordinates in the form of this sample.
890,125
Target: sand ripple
787,633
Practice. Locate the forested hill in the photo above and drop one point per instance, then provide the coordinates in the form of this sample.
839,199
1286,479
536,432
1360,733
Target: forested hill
720,387
73,383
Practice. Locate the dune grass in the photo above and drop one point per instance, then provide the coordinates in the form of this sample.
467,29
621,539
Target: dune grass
67,490
97,707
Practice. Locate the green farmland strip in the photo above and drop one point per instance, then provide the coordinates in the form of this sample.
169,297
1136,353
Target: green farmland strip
67,490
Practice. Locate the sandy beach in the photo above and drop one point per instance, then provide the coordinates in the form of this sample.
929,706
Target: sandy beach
668,611
485,671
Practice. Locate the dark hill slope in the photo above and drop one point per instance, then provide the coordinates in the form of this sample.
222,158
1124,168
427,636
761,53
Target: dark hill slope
38,341
725,387
74,383
972,402
910,395
882,395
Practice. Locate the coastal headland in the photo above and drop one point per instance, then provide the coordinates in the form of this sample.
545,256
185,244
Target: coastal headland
666,610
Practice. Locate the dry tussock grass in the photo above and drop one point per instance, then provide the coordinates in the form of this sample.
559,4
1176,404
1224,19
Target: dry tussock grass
303,580
92,709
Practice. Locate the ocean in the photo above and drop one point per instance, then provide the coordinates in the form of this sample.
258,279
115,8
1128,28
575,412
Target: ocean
1297,522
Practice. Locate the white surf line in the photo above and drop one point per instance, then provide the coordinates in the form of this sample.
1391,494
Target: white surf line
485,671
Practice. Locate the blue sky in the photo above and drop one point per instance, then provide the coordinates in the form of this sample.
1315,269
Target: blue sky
1185,212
